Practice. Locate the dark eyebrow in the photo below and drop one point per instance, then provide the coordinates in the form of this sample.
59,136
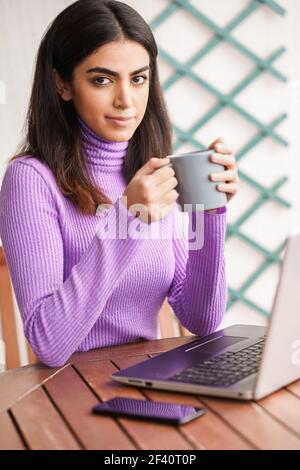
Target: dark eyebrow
115,74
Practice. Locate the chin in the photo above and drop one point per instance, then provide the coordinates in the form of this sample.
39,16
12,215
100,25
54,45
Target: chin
118,136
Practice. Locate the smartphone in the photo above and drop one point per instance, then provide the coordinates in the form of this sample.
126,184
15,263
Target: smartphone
172,413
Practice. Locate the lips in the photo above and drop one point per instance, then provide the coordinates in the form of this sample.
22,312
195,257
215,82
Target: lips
121,122
121,118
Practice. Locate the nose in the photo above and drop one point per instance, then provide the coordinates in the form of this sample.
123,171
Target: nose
123,97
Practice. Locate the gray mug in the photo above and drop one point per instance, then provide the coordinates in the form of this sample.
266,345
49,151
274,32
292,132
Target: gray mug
192,170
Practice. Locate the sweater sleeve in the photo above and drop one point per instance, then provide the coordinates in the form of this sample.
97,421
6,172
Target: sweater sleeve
57,314
198,293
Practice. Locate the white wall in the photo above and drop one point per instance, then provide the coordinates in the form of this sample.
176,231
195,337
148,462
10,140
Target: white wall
277,221
294,44
23,22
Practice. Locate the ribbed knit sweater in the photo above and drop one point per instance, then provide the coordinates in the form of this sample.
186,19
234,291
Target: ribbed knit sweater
79,290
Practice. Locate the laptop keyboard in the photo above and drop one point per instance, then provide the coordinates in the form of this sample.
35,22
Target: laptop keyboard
225,369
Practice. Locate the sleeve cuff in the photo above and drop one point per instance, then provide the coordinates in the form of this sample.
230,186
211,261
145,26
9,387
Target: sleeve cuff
221,210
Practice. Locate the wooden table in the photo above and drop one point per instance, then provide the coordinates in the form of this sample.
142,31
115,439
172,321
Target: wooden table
43,408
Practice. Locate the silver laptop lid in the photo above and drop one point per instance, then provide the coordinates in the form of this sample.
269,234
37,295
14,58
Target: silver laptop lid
280,363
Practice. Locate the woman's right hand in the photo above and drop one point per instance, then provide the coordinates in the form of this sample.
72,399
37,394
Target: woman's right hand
153,187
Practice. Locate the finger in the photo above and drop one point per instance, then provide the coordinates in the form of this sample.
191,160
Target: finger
223,148
227,188
152,165
170,197
226,160
167,185
219,140
229,175
162,174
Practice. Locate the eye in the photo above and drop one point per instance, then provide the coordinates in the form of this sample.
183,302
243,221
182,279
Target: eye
98,81
141,76
100,78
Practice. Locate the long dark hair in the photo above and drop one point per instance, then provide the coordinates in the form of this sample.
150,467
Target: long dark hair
52,127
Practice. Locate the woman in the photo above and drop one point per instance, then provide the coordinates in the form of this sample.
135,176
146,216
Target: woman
77,290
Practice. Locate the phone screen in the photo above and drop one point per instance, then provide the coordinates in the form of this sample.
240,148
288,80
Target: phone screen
153,410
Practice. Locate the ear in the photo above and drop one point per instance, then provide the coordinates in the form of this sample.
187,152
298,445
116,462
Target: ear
62,88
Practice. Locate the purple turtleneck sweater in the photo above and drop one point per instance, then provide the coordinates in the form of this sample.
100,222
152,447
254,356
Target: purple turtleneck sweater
79,290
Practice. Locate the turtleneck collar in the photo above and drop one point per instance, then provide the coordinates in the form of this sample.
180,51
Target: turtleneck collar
105,153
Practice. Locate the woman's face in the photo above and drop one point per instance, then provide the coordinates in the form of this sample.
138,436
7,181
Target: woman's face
113,82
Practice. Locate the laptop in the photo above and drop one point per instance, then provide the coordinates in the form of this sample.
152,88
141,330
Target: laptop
242,361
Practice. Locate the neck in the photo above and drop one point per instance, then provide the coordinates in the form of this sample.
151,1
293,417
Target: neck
102,152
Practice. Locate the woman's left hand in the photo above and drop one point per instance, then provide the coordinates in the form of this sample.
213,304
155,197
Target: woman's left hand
229,179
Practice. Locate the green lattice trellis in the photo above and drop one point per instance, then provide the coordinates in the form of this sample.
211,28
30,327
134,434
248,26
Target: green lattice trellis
264,130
